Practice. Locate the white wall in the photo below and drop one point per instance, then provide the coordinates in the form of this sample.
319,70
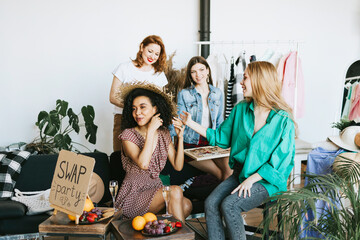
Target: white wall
52,49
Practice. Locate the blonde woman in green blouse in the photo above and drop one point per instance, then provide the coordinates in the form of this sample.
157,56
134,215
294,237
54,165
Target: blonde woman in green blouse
261,133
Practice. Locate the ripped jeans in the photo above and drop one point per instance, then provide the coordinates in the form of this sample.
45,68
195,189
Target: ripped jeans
221,203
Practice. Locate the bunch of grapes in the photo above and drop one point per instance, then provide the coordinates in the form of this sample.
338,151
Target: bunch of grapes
97,211
94,215
155,227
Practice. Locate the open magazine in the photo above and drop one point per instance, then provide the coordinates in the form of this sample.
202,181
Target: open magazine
208,152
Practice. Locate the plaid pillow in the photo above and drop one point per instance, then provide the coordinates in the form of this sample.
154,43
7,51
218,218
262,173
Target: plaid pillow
10,167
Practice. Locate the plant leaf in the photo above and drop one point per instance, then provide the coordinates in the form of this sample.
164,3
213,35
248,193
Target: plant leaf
335,221
62,141
88,113
91,129
52,122
73,120
61,107
43,115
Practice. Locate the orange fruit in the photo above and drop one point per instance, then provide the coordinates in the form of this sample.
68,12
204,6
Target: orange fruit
149,216
138,223
71,217
88,205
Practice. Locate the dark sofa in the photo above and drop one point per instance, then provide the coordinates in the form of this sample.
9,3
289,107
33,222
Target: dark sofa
36,175
37,172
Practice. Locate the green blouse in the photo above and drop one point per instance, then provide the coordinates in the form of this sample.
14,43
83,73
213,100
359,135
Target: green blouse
269,152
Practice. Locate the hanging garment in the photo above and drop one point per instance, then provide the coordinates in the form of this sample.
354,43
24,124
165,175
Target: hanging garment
291,84
267,55
229,103
252,58
346,109
224,66
275,58
216,69
355,104
281,66
345,95
240,66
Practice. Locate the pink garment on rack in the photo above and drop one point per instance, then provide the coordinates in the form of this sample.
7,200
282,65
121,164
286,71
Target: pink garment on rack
355,104
288,85
281,66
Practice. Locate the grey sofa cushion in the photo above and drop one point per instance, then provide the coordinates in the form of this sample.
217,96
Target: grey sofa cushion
11,209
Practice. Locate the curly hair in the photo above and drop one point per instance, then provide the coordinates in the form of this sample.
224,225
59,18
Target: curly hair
157,100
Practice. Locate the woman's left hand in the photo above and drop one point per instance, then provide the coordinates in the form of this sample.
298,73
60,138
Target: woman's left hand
245,187
179,126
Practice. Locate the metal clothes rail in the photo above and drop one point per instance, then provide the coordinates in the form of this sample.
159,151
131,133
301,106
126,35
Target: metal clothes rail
261,42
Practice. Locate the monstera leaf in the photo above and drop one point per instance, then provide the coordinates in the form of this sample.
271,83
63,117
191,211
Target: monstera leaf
61,107
73,120
62,141
91,129
55,130
49,123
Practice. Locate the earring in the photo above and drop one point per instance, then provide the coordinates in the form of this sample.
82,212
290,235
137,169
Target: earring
207,79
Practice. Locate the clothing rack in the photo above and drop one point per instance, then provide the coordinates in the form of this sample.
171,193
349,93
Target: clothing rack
255,42
352,79
266,42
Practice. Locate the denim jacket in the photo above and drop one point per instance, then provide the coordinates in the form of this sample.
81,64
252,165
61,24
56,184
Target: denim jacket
189,100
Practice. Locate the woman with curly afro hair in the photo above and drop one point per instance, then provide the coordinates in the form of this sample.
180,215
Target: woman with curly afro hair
146,146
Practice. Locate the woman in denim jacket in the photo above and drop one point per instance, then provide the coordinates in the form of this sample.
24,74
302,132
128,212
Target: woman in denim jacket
206,104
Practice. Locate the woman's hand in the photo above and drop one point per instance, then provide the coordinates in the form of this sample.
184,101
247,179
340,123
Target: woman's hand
179,126
185,117
155,122
245,187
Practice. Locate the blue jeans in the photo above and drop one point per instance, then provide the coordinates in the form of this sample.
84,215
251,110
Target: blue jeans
220,203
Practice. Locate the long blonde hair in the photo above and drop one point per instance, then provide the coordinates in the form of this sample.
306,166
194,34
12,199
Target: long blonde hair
266,88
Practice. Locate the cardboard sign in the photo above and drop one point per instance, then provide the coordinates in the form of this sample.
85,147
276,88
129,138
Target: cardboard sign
70,182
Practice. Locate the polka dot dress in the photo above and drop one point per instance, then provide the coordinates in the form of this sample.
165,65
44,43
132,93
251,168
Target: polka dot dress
140,186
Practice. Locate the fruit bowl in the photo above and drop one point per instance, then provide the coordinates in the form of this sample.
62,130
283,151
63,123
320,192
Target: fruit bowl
101,214
161,234
161,227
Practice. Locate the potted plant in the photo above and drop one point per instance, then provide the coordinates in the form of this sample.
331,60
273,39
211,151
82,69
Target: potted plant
344,123
340,213
56,125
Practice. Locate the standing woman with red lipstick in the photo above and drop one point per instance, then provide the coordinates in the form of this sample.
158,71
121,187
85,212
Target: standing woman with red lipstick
148,66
